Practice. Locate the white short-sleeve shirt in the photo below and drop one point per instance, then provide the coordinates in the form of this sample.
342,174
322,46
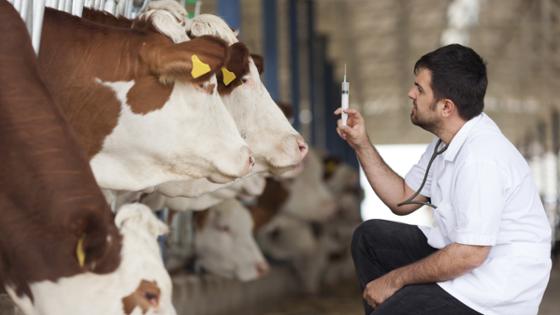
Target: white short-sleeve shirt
485,195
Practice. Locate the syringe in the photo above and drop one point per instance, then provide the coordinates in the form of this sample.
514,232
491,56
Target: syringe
345,96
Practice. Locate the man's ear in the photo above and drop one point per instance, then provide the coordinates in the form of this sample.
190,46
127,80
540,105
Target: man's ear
448,107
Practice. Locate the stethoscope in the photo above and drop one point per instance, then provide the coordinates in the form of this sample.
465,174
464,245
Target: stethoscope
410,201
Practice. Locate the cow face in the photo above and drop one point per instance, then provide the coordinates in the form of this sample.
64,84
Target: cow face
140,285
309,197
225,244
277,147
170,126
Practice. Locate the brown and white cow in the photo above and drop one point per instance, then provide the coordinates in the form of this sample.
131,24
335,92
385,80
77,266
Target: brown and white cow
278,149
146,110
62,252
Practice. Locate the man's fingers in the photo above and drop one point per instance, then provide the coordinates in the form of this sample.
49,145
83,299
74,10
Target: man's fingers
338,111
340,133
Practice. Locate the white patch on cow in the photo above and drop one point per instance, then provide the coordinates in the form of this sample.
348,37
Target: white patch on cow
191,136
92,294
309,198
225,244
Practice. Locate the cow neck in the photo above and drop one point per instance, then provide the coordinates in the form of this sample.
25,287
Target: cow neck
76,54
48,196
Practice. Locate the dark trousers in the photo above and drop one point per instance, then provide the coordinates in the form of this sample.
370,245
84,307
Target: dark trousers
379,246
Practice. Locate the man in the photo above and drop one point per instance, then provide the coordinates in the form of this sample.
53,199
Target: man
489,251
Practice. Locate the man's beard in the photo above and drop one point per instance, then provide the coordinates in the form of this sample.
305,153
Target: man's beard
427,123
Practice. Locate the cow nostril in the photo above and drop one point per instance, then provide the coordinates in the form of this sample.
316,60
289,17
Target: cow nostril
303,148
262,268
251,161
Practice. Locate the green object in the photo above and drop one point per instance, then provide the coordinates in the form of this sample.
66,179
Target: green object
191,14
192,1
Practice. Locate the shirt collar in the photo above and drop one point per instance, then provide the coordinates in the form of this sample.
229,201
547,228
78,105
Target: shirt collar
460,138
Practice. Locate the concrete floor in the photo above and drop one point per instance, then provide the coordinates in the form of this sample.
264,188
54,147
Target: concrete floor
344,300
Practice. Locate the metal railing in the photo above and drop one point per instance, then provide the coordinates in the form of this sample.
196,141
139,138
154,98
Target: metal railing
32,11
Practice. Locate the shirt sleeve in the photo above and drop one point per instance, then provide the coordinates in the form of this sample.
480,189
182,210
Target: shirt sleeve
479,199
414,177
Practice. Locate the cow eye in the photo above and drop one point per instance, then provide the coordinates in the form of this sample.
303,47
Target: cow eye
224,228
244,80
150,296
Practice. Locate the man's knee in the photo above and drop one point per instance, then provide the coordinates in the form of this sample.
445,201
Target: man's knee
369,232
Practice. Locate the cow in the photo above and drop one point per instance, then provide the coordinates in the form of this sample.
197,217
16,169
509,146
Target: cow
278,149
224,242
62,250
146,110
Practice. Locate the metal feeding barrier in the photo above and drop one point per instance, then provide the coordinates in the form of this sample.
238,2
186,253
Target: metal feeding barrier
32,11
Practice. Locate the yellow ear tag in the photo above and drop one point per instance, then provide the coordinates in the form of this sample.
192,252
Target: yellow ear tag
228,76
199,68
80,253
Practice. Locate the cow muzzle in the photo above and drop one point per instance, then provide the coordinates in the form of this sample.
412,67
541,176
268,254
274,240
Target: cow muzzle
228,170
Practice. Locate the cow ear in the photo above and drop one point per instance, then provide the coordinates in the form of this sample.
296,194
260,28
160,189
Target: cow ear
259,62
140,215
194,60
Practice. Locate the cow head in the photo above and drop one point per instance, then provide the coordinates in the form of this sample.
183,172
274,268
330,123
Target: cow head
140,285
309,197
146,110
225,244
277,147
191,135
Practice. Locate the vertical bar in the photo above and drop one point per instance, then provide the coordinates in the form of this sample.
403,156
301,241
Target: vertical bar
77,7
110,6
270,34
294,61
17,5
230,11
38,13
311,54
23,11
88,4
319,59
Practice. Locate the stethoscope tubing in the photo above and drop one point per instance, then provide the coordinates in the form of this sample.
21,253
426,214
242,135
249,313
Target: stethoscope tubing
410,201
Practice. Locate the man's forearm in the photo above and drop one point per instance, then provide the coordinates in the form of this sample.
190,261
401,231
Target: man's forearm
388,185
445,264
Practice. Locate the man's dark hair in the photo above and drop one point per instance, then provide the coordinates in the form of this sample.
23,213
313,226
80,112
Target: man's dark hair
459,74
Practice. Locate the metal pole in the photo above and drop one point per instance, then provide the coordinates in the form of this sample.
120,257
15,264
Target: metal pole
294,60
110,6
38,13
77,7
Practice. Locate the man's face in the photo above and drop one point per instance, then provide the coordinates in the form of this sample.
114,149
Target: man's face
424,105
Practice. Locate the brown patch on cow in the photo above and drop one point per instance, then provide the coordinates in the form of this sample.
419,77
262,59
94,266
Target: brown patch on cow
200,218
286,109
207,88
105,18
48,196
75,53
238,64
146,296
148,94
269,203
259,62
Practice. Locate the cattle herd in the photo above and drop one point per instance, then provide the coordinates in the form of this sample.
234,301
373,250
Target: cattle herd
115,119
